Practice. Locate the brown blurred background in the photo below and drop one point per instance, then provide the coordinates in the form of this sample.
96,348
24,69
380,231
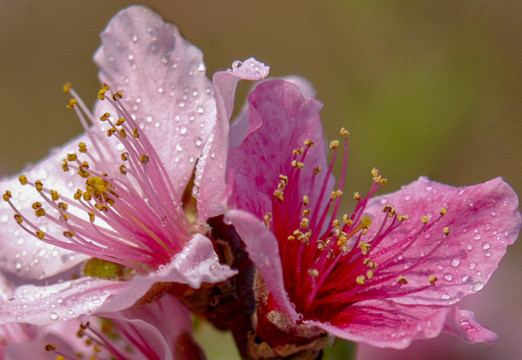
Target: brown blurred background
426,88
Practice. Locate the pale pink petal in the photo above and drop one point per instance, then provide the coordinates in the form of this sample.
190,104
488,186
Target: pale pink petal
24,254
162,78
482,221
210,172
197,263
263,249
281,119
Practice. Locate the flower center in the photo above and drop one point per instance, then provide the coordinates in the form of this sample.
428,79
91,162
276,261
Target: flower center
128,211
330,262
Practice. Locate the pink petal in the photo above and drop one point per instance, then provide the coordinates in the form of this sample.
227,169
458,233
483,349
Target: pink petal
263,249
210,173
162,78
281,119
23,254
482,219
197,263
462,323
386,324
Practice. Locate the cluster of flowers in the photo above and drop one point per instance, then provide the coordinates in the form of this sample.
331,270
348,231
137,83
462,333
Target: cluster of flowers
162,207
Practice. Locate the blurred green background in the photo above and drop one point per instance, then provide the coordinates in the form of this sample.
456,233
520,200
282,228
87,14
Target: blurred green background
425,88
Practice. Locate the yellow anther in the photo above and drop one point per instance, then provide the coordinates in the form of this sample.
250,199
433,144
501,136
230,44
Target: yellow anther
375,172
298,151
345,248
365,247
40,234
87,196
424,219
357,196
19,219
71,104
446,231
78,194
344,132
63,206
313,272
144,159
122,133
305,223
306,200
403,217
68,234
347,220
284,178
118,95
369,274
336,194
382,181
402,280
432,279
369,263
120,121
317,170
361,279
267,219
105,116
135,133
72,157
50,347
306,212
101,94
67,87
65,165
36,205
111,132
54,195
336,224
22,179
443,211
334,144
297,164
123,169
38,184
309,143
291,237
125,156
91,216
64,217
105,87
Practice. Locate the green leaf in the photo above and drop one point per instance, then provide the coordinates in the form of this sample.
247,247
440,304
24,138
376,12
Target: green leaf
340,350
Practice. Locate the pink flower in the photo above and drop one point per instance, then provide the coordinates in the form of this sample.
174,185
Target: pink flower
387,273
116,192
134,334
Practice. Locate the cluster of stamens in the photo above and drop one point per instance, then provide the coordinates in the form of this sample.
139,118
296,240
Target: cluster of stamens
130,215
335,262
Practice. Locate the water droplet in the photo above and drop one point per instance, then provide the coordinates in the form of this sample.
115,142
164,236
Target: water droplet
470,203
445,297
200,109
161,90
157,124
165,60
54,316
455,262
478,286
472,266
199,141
493,213
18,265
179,147
469,247
148,119
477,236
20,241
236,64
181,104
464,278
183,130
485,245
407,197
4,218
130,57
448,277
138,100
201,67
191,159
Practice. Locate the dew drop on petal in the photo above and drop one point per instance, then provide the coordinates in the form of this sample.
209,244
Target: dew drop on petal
478,286
455,262
486,245
179,147
199,141
448,277
183,130
54,316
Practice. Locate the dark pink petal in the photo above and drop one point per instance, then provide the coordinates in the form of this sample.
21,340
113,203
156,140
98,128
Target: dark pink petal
162,78
281,119
197,263
263,249
482,221
210,173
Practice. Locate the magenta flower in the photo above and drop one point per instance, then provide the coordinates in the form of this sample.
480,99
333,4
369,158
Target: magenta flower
387,273
116,192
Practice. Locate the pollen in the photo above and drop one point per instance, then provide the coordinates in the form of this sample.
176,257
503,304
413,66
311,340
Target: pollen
433,279
22,179
313,272
446,231
344,132
306,200
357,196
402,280
40,234
361,280
425,219
443,211
309,143
144,159
334,144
